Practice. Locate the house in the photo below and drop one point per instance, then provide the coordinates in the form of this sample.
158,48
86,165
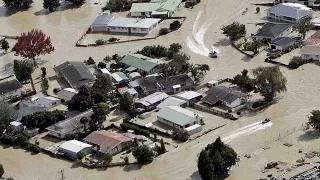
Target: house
67,94
281,43
151,101
194,129
130,69
132,25
120,79
155,9
313,39
289,12
190,96
303,2
170,85
310,52
69,126
172,101
133,93
49,102
72,147
10,89
108,142
270,31
225,96
75,73
101,22
142,63
178,117
135,75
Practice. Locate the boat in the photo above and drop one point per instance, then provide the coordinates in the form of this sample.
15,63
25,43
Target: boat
266,121
213,54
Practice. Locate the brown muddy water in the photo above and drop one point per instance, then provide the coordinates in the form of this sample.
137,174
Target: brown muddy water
199,35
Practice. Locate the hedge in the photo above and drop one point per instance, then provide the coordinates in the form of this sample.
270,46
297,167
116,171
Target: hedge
138,130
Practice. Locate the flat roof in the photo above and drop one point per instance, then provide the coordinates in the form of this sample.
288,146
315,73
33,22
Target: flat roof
145,23
189,95
193,127
15,123
74,145
105,71
171,101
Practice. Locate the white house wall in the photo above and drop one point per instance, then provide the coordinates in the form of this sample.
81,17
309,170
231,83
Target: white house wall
118,29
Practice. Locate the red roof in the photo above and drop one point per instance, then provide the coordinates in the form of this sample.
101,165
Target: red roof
314,38
312,50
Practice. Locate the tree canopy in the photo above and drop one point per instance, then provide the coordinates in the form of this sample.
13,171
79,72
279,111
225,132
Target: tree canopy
100,111
143,154
51,4
117,5
81,101
244,81
234,31
314,119
270,81
107,158
77,2
5,45
101,89
126,103
253,46
18,4
42,119
22,69
302,27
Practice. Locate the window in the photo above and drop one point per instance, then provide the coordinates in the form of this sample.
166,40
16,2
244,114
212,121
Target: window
134,29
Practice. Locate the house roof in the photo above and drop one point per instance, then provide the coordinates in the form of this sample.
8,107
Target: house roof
26,107
140,62
313,39
272,30
105,71
189,95
67,93
221,93
153,83
119,76
47,100
311,50
144,7
171,101
74,146
153,98
292,10
102,19
106,140
282,41
131,91
134,75
68,125
122,22
145,23
177,115
170,5
76,73
131,69
8,86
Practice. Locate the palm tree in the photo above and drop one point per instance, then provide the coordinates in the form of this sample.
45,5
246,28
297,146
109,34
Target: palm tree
84,120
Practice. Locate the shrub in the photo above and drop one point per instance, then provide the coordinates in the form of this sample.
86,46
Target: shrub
107,158
1,170
143,154
15,99
80,155
112,39
107,58
296,62
138,130
35,149
100,42
175,25
190,3
102,65
229,111
238,113
126,160
163,31
257,9
275,55
90,61
181,135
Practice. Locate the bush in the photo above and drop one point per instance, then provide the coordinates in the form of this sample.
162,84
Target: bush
107,158
102,65
296,62
90,61
15,99
80,155
190,3
163,31
143,154
175,25
138,130
8,139
229,111
181,135
257,9
239,113
275,55
35,149
113,39
100,42
107,58
126,160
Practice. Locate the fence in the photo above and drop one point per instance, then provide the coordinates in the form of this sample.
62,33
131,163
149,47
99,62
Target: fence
214,111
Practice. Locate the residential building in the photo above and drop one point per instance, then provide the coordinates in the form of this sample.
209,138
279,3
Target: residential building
281,43
270,31
132,25
101,22
67,94
120,79
172,101
190,96
75,73
133,93
142,63
178,117
108,142
72,147
135,75
289,12
155,9
69,126
10,89
170,85
310,52
303,2
226,96
49,102
151,101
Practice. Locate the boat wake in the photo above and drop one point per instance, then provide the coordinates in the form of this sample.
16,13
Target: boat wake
244,131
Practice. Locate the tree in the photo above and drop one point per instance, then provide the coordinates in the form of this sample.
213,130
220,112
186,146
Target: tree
42,119
81,101
117,5
84,120
163,31
205,166
102,88
44,85
302,27
77,2
126,160
44,72
5,45
296,62
80,155
253,46
198,71
126,103
32,44
234,31
143,154
18,4
107,58
218,163
244,73
162,147
100,111
51,4
23,70
5,115
182,135
257,10
1,170
175,25
102,65
314,119
107,158
270,81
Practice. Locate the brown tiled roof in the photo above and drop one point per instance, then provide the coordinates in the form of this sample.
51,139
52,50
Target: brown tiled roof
313,50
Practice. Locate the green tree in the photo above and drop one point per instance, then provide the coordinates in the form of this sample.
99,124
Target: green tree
107,158
100,111
174,48
218,163
101,88
81,101
84,120
80,155
175,25
51,4
102,65
234,31
44,85
42,119
257,10
162,147
90,61
296,62
23,71
198,71
5,45
143,154
253,46
117,5
1,170
182,135
44,72
107,58
77,2
302,27
18,4
5,115
270,81
314,119
163,31
126,160
205,166
126,103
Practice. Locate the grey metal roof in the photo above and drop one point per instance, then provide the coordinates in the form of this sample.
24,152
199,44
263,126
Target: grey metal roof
103,19
8,86
272,30
221,93
26,107
177,115
282,41
292,10
122,22
171,101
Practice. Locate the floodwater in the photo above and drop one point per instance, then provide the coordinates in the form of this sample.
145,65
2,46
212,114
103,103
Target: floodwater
199,35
